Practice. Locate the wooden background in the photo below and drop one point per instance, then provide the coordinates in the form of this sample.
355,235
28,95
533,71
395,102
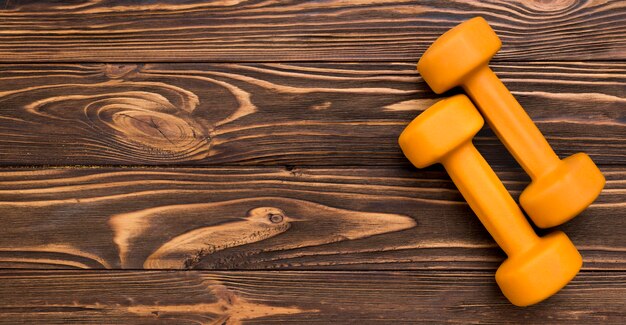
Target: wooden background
233,161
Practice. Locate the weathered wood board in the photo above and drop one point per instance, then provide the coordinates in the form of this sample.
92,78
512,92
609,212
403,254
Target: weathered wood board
257,218
273,31
279,114
200,297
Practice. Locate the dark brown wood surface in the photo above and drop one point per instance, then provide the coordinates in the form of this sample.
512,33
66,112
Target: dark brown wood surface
272,31
236,162
339,218
328,297
279,114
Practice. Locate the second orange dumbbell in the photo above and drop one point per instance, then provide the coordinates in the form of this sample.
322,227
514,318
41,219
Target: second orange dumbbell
560,189
536,267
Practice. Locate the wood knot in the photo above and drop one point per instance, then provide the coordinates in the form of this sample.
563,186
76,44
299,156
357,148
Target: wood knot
551,5
268,215
155,131
117,71
148,122
275,218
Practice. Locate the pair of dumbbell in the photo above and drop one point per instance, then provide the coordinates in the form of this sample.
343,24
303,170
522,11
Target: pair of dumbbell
536,267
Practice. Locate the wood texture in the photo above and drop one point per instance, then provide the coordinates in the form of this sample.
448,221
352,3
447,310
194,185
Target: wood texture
231,298
269,31
259,218
305,210
279,114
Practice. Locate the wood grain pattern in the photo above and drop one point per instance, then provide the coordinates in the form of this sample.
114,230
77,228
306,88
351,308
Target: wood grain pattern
279,114
269,31
269,218
305,210
116,297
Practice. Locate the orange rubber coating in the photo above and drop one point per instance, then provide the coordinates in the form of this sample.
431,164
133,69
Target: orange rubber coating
510,122
560,189
487,196
537,267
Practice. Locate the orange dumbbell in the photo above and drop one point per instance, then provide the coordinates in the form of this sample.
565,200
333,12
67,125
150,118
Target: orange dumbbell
560,189
536,267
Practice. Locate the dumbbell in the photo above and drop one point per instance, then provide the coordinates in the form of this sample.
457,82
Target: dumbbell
560,189
536,267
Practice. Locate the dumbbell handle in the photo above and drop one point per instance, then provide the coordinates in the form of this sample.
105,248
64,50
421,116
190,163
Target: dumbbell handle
510,122
487,196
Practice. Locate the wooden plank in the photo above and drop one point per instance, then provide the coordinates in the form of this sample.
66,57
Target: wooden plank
336,30
269,218
279,114
116,297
